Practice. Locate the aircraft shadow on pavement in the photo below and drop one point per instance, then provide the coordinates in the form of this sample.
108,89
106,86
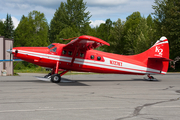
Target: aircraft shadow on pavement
68,82
64,82
133,80
146,80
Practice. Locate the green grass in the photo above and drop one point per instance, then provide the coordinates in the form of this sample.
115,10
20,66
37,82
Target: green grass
31,70
43,70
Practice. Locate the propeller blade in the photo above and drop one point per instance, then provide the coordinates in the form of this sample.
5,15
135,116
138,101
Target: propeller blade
10,53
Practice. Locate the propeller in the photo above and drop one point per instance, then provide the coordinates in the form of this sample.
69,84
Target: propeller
10,51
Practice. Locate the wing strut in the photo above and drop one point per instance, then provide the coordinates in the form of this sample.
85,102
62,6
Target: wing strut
74,55
57,67
64,72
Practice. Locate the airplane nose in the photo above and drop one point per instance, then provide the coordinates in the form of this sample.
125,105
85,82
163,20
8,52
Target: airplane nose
9,51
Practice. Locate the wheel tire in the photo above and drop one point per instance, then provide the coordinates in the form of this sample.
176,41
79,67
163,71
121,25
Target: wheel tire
56,78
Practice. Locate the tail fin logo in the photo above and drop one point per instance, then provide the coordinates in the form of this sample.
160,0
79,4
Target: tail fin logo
158,51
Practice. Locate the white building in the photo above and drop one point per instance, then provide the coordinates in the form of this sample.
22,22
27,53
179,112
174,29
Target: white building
6,44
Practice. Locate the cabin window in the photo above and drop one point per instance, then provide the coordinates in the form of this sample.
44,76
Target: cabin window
64,52
98,58
92,56
82,55
53,50
70,53
51,46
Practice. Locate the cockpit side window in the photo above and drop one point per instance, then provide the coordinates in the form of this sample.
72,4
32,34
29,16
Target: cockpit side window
51,46
64,52
82,55
98,58
54,49
70,53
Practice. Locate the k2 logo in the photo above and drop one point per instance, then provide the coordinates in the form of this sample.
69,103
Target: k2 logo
159,51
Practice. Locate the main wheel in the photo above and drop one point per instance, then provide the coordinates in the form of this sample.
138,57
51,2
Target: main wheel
56,78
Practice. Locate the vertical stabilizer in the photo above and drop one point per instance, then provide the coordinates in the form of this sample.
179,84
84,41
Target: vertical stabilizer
157,57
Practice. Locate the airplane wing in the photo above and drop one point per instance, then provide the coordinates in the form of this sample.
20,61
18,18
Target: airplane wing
84,43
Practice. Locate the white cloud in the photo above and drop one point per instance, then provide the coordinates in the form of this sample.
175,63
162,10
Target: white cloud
96,23
105,3
99,9
3,19
15,22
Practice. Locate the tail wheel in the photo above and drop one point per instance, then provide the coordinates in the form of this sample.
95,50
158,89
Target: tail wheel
56,78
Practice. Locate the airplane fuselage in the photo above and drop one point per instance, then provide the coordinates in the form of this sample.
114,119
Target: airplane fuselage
79,55
86,61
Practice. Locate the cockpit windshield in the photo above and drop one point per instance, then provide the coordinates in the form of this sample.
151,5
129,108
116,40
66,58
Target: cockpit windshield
51,46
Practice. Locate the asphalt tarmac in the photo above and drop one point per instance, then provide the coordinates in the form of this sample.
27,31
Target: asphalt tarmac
90,97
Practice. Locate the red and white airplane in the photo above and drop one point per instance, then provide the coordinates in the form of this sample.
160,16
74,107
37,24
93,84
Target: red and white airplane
78,55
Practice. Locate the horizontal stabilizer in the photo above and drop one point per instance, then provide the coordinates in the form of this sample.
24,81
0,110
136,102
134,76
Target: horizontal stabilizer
160,59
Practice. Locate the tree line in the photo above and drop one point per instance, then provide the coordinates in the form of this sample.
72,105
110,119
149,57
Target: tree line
132,36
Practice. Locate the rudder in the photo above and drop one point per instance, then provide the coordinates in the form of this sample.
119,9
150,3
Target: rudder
155,58
158,56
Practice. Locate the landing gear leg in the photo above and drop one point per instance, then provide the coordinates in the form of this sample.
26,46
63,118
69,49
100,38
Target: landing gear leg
56,78
64,72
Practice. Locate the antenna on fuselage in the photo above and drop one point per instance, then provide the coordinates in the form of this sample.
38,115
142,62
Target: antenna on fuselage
69,38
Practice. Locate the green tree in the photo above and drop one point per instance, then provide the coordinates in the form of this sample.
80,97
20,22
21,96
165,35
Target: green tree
145,36
76,13
132,21
67,32
92,31
139,33
150,21
116,38
32,30
8,25
70,14
103,31
152,29
2,27
168,24
131,32
58,23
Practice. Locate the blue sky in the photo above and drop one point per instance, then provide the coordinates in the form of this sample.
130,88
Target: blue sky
99,9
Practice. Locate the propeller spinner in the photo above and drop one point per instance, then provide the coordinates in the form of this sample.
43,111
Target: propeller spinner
10,51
